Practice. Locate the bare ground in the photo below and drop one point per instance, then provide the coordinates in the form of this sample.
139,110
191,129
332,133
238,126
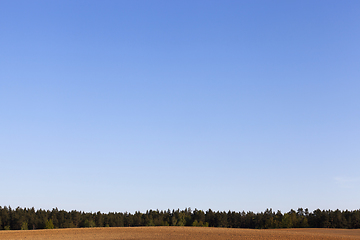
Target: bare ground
180,233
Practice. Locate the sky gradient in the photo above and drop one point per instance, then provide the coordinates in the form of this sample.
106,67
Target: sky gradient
138,105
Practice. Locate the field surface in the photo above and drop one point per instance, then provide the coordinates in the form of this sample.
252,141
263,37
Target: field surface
180,233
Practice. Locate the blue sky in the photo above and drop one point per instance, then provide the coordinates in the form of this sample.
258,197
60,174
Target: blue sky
137,105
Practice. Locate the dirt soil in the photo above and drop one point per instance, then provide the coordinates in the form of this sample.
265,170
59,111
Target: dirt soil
172,233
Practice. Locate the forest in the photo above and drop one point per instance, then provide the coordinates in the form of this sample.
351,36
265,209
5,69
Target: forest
29,218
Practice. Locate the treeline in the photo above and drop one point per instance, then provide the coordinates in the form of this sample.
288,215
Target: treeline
29,218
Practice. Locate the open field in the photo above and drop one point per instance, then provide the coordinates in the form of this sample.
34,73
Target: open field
180,233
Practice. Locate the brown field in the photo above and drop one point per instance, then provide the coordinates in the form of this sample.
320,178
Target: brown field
180,233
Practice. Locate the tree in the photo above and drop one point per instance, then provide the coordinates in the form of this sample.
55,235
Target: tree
24,226
89,223
99,221
49,224
199,215
286,221
181,219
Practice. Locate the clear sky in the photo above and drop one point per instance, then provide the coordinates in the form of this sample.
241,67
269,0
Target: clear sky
137,105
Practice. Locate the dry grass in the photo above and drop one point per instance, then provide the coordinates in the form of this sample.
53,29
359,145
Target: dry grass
180,233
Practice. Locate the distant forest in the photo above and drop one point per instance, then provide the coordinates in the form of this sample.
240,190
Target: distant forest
29,218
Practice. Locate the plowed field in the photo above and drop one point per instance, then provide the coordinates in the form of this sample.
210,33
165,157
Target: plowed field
172,233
